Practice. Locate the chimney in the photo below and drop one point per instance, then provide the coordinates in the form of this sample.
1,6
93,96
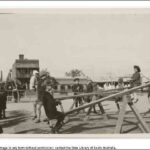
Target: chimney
21,57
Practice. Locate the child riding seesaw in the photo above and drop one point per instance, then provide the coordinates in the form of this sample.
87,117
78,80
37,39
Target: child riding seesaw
50,107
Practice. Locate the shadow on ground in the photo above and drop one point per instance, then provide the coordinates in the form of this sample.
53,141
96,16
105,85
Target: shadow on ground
83,127
34,131
15,118
22,124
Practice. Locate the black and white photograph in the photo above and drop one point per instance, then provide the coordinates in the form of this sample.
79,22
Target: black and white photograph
75,71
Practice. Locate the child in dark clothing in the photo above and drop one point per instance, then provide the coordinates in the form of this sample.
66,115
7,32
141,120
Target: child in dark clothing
51,112
77,88
3,100
1,130
90,89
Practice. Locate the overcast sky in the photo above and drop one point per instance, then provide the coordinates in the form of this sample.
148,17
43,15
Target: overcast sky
97,42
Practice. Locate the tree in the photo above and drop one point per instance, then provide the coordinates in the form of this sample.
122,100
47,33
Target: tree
75,73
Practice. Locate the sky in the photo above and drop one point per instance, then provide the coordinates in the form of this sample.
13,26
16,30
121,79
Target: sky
99,42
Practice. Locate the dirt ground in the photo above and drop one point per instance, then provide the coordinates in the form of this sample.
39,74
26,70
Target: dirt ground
19,119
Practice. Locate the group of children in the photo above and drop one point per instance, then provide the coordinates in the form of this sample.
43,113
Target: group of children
112,86
43,84
93,87
77,88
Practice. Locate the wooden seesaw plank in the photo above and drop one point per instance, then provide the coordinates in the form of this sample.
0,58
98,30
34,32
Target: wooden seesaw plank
126,101
107,98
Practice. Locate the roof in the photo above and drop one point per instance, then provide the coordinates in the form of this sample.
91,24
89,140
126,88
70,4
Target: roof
70,80
26,63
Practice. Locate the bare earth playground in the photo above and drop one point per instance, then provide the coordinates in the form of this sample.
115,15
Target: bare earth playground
19,118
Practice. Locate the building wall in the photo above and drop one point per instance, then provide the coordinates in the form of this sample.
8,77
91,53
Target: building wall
65,84
22,69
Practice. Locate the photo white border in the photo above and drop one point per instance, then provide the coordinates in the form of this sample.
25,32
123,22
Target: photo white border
4,5
74,4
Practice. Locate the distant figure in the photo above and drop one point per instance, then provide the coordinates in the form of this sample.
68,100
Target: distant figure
120,88
15,94
109,86
136,81
33,80
120,84
33,89
113,86
9,88
50,104
77,88
90,89
94,98
1,130
3,102
106,86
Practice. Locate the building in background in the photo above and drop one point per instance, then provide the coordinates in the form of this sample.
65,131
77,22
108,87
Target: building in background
65,84
22,70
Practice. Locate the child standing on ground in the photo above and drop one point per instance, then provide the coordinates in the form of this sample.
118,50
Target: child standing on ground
120,88
3,101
